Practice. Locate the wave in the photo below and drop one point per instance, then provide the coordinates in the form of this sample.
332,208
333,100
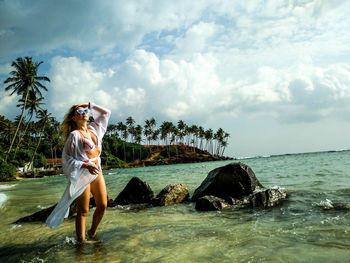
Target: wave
328,204
253,157
3,199
4,187
289,154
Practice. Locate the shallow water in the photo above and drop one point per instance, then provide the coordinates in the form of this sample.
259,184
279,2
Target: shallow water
312,226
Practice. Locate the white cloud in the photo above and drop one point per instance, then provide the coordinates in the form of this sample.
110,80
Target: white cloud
73,82
145,85
7,104
197,39
93,26
199,61
5,69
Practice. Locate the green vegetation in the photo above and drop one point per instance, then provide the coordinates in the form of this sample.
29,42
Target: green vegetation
7,171
169,134
35,135
23,80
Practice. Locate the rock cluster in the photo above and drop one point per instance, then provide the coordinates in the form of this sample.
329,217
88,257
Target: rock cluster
232,185
235,185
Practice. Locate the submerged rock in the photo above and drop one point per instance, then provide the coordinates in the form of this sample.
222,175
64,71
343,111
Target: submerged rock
135,192
172,194
42,215
234,180
210,203
267,198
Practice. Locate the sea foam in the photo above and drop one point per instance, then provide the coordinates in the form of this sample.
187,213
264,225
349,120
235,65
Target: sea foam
4,187
3,199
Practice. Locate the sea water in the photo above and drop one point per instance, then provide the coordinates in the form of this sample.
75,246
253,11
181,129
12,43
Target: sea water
312,226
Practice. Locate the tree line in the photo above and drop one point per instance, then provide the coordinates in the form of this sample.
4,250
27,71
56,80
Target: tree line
169,133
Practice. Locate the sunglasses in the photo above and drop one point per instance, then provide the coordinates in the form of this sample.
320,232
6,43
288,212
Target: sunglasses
82,111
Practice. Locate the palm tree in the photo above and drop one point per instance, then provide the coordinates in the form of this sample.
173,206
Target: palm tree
112,130
201,134
148,129
188,132
130,123
194,130
181,127
219,137
208,138
24,78
138,137
33,104
121,127
155,135
225,143
6,130
44,118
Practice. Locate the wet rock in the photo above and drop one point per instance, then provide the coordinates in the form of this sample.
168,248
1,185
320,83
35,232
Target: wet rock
239,203
42,215
135,192
234,180
267,198
210,203
172,194
134,207
110,202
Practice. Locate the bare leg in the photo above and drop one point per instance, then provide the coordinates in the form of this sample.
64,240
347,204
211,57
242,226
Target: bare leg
82,210
98,189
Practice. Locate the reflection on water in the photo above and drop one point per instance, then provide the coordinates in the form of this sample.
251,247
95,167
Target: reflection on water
312,224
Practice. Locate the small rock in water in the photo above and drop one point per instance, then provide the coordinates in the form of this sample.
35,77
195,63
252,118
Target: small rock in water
210,203
70,240
267,197
172,194
326,204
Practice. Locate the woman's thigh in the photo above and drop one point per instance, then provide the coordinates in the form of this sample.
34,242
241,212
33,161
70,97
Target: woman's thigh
83,200
99,191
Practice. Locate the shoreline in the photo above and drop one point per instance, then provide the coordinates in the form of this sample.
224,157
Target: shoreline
53,172
160,155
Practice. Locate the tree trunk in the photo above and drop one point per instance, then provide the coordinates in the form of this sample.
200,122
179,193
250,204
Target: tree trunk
19,124
37,146
21,138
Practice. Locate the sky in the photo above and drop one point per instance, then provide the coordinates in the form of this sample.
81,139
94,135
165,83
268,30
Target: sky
274,74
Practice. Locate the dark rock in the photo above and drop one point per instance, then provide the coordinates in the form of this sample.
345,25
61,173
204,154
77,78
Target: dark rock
238,203
135,192
234,180
172,194
210,203
42,215
110,202
267,198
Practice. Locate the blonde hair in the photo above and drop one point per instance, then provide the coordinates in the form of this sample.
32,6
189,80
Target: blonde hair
68,124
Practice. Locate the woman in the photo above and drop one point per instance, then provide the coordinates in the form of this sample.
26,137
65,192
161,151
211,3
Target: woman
82,166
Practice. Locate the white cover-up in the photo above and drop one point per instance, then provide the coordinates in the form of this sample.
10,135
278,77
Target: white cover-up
73,156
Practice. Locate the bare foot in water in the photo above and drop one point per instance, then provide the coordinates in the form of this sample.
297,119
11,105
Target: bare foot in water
92,235
90,241
85,241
